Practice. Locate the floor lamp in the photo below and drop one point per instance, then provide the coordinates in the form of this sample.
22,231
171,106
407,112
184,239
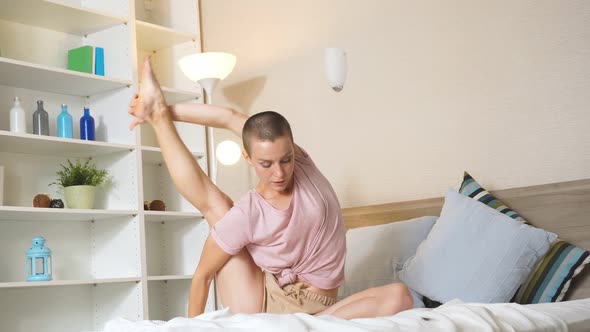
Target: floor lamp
208,69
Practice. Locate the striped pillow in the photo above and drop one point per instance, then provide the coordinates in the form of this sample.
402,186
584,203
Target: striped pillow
554,273
470,187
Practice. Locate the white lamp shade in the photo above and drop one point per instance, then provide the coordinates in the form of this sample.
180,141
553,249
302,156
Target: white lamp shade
207,65
336,67
228,152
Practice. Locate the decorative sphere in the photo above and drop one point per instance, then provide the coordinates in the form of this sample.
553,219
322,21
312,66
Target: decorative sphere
157,205
42,200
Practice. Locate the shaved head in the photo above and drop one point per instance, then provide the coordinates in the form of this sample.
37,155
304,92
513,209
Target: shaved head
265,126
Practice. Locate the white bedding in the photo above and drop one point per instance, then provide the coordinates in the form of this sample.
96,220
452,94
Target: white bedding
453,316
575,313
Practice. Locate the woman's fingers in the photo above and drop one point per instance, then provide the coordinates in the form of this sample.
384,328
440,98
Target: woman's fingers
135,123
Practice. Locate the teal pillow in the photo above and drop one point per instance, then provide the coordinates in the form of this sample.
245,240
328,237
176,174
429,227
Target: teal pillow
552,277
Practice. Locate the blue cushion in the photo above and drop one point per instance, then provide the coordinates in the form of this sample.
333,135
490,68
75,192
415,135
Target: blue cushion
474,253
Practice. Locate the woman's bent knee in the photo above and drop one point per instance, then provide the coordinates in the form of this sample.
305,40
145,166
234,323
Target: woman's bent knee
241,284
397,298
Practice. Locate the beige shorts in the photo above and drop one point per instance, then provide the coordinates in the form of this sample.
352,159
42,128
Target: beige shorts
292,298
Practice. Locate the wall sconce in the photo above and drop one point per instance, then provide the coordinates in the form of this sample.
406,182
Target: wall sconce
208,69
336,66
39,261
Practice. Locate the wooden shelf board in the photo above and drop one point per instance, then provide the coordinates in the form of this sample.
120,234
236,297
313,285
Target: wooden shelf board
153,155
59,17
37,77
17,213
170,277
176,96
56,146
152,37
55,283
159,216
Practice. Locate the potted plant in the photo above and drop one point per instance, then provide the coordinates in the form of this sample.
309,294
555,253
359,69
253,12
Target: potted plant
79,181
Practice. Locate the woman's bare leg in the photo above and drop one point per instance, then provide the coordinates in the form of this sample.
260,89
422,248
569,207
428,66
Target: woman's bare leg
240,281
374,302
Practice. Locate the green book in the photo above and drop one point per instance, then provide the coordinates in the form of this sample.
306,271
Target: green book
81,58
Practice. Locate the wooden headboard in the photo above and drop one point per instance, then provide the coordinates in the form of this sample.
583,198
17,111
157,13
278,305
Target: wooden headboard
562,208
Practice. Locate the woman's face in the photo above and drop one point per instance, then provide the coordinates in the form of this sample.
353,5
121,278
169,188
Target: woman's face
273,162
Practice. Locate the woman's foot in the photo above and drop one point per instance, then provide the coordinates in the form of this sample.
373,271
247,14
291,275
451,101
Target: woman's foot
150,99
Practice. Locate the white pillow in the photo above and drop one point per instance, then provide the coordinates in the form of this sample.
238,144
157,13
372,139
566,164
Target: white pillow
474,253
375,254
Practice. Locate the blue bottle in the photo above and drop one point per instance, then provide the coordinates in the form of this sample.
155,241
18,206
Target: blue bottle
64,123
87,126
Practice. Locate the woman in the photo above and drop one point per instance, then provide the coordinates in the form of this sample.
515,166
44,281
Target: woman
281,247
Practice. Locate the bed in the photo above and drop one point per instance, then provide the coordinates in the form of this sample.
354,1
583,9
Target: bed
562,208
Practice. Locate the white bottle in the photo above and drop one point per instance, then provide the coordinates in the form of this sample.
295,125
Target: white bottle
18,122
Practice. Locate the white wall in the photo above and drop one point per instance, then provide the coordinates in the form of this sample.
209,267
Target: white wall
498,88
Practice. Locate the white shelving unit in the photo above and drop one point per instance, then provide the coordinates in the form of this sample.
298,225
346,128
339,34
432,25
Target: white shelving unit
115,260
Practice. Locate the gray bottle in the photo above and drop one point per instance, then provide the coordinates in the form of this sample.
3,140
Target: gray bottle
40,120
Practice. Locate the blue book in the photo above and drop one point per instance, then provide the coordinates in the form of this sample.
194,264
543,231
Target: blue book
99,61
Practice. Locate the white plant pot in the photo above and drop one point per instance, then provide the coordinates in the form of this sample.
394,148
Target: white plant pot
80,197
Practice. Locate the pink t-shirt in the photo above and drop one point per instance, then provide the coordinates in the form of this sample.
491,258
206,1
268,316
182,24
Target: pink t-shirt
305,241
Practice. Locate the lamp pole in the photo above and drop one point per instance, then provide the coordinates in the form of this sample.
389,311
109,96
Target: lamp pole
209,84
